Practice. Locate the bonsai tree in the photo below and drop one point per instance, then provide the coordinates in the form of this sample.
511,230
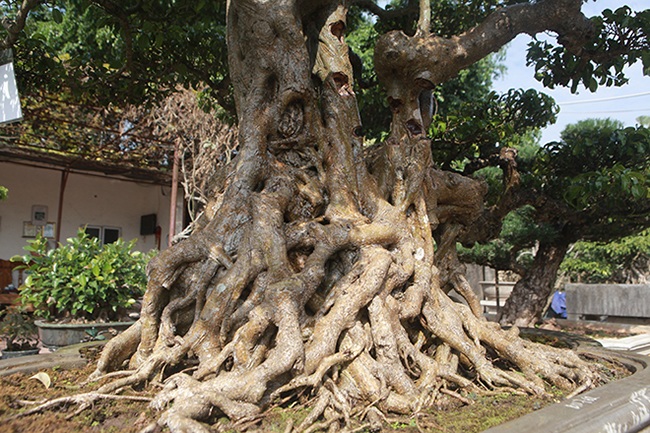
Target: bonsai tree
592,185
18,330
321,266
82,280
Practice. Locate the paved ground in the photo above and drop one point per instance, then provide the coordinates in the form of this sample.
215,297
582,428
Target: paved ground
637,343
66,357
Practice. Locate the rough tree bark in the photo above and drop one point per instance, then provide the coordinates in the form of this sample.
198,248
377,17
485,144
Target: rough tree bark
530,295
322,266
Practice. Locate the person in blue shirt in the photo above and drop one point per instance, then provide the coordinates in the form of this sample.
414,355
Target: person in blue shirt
558,306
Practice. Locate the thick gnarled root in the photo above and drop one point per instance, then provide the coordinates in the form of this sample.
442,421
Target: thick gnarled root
374,344
378,362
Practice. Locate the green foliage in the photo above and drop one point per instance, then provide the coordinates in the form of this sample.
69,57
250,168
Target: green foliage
4,192
598,166
621,39
81,278
18,330
610,186
592,185
135,53
448,17
480,126
587,146
512,249
625,260
644,121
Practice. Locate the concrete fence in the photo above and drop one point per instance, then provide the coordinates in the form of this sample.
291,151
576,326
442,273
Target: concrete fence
629,301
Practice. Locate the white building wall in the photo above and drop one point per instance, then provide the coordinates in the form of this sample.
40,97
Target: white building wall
88,200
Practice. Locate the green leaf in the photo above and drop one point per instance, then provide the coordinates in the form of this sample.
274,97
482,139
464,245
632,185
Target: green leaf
143,42
645,59
639,191
593,84
57,16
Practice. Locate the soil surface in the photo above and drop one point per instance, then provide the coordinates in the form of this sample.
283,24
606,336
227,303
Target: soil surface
467,414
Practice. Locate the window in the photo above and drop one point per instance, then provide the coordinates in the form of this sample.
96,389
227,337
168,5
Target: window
111,234
106,235
93,232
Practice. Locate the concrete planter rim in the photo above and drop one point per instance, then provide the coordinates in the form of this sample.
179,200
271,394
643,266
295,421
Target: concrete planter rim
622,406
8,354
46,324
56,335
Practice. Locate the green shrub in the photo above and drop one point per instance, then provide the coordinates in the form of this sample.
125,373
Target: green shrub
18,330
83,279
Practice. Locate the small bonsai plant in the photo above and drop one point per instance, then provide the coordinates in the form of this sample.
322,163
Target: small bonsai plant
18,330
82,279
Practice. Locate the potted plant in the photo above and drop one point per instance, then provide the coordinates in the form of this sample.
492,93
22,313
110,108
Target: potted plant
81,289
20,334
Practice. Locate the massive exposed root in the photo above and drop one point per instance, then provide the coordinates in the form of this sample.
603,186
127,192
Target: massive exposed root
321,268
382,335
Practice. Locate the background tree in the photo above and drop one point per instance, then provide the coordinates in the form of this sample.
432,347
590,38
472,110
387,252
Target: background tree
105,52
321,265
592,185
644,120
622,261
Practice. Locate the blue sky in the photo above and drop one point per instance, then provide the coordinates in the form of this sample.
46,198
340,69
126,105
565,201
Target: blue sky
624,103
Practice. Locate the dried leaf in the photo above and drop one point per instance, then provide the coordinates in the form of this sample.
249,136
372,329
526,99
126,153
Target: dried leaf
44,378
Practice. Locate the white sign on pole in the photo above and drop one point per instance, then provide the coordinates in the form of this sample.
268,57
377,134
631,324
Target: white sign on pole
9,102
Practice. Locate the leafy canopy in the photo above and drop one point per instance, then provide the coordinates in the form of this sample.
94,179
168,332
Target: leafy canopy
112,52
598,167
105,52
594,184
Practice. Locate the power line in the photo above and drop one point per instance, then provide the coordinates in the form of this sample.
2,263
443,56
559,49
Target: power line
605,112
611,98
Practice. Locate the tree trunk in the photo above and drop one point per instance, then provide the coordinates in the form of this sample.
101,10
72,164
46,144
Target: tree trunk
530,295
314,268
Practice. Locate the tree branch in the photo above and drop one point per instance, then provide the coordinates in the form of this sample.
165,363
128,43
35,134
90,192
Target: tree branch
14,27
424,22
123,18
402,59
